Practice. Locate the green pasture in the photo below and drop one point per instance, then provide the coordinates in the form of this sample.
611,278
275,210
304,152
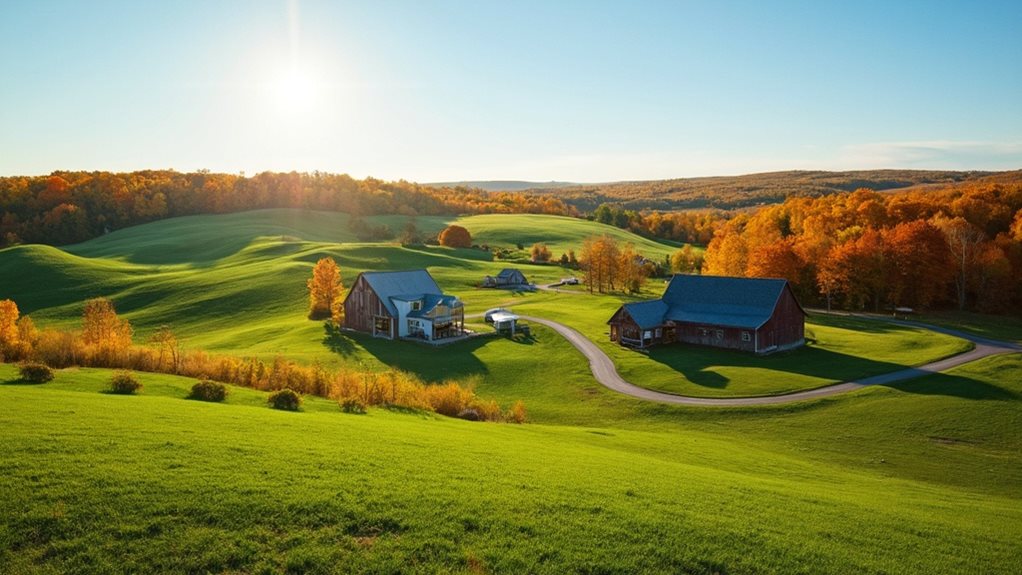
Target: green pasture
914,477
921,477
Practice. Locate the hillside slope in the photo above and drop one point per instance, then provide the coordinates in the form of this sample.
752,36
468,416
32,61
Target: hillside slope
158,483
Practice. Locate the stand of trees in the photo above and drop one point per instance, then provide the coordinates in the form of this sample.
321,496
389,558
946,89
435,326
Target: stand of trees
608,266
955,246
69,207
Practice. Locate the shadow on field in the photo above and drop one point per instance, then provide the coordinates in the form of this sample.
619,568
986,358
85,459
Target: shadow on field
697,363
431,364
954,386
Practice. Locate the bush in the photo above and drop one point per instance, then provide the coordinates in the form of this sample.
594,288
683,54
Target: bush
469,414
285,399
36,372
207,390
352,405
517,413
124,383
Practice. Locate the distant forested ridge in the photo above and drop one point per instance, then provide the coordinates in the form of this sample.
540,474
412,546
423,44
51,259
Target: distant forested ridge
69,207
735,192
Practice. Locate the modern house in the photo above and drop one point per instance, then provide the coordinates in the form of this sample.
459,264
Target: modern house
748,314
508,277
402,304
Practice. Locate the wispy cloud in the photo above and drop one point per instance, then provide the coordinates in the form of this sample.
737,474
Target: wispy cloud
938,154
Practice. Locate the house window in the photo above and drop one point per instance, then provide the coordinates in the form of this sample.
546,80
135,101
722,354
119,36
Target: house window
416,305
720,334
746,336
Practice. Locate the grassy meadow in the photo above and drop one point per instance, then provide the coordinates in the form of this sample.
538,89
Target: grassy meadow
916,477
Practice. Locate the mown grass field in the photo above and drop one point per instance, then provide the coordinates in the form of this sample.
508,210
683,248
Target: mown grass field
102,483
918,477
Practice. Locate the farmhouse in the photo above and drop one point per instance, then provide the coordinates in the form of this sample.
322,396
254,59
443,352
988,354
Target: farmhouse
748,314
402,304
508,277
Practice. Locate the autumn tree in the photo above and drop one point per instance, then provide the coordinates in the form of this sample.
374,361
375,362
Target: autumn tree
776,259
918,262
540,253
9,336
600,261
964,240
727,255
631,270
324,289
455,237
102,328
169,348
686,260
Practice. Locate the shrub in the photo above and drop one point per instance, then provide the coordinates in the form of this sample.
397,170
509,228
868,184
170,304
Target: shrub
352,405
36,372
125,383
469,414
517,413
285,399
207,390
455,237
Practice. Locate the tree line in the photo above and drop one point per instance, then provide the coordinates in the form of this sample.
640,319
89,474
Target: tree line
957,245
69,207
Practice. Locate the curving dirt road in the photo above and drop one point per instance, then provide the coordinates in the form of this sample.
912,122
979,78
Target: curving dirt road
606,374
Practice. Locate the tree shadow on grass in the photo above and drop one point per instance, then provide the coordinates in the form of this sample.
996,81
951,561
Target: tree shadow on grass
696,364
430,363
953,386
19,381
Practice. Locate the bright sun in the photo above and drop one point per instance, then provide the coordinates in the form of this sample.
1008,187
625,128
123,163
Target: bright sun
295,91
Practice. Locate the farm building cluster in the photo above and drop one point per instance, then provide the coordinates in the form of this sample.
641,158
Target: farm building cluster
748,314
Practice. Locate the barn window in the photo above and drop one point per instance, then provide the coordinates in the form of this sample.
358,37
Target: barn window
746,336
720,334
658,332
704,332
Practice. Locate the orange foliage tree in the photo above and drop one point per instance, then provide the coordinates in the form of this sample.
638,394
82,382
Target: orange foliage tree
8,325
325,289
455,237
541,253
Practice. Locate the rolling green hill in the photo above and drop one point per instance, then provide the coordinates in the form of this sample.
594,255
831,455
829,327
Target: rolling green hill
920,476
95,483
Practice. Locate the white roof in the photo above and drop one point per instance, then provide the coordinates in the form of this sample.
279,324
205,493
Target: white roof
502,316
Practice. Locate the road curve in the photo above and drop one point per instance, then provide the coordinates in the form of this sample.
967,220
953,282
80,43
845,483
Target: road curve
606,374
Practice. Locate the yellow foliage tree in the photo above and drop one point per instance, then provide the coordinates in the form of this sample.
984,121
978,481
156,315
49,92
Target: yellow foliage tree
8,324
325,290
102,328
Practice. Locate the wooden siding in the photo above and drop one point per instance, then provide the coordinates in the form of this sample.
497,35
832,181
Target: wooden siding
362,306
786,328
715,336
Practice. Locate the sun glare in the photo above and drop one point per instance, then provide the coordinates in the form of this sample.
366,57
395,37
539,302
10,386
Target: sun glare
295,91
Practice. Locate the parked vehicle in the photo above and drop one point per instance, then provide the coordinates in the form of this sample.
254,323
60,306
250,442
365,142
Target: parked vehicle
569,281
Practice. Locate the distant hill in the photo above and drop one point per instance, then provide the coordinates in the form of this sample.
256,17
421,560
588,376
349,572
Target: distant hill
503,185
735,192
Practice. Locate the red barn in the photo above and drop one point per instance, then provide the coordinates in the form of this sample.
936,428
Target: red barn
748,314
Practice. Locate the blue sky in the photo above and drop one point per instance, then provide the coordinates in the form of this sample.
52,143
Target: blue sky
580,91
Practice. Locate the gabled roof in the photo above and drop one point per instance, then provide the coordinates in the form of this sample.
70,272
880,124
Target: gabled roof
508,272
401,284
647,314
725,301
431,301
